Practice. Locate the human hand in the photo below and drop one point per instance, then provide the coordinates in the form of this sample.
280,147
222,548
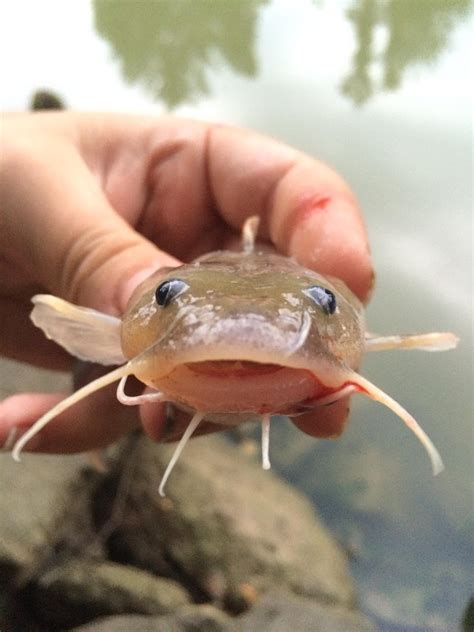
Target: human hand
91,204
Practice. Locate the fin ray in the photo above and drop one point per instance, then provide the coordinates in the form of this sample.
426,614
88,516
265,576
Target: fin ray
435,341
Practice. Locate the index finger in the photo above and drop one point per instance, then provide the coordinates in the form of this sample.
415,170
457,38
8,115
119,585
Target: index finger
307,209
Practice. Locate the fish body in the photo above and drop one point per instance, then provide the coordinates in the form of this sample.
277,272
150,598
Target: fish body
229,337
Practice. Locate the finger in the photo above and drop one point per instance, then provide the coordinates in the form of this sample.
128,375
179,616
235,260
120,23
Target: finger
205,180
21,341
78,246
180,214
325,422
92,424
307,209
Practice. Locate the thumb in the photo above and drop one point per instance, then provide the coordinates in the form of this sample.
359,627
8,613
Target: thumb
69,237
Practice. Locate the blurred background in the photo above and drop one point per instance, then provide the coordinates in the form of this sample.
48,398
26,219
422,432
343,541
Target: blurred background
383,91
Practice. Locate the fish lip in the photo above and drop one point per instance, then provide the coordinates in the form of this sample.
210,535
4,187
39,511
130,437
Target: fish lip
154,365
237,386
243,369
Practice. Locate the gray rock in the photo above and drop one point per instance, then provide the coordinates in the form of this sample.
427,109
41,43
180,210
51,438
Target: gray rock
276,612
189,619
281,612
236,530
468,618
80,590
44,500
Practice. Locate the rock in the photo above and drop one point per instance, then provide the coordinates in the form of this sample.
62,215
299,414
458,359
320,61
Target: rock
189,619
228,532
468,618
80,590
276,612
45,502
227,527
281,612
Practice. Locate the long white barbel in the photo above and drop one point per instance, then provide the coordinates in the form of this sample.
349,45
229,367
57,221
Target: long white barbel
266,441
193,424
375,393
88,389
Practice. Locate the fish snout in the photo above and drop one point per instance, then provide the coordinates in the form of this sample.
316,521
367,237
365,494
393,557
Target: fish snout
252,332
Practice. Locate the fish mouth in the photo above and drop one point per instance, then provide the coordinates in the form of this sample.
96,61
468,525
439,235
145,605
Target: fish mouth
243,386
232,368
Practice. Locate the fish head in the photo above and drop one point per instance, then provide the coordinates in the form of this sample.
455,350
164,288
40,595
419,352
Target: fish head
240,332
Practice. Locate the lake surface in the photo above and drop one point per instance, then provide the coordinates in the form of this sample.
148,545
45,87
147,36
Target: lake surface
383,91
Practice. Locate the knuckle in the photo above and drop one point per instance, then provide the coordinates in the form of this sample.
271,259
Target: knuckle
93,266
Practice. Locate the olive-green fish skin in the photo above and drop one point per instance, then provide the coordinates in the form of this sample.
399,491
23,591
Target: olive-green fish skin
255,303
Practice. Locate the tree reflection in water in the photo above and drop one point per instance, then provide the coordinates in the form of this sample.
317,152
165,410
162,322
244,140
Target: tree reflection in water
168,45
417,33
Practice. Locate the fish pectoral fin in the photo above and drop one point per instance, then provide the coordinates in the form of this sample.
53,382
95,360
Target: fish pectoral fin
435,341
85,333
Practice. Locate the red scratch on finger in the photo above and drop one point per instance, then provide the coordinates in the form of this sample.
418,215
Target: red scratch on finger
305,206
311,202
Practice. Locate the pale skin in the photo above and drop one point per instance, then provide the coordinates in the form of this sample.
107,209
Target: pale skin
91,204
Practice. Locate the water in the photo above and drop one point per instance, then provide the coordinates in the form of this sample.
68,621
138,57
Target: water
382,90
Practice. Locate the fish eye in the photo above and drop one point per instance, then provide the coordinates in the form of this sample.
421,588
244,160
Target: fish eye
169,290
323,298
